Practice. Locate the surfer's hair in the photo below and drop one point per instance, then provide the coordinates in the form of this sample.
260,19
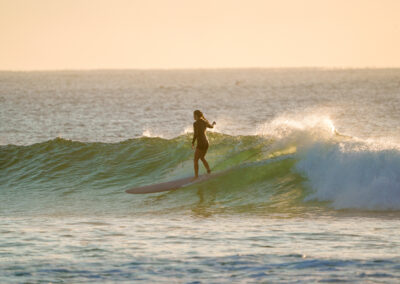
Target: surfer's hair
199,114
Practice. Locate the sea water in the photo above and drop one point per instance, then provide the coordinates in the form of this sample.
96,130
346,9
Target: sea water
310,190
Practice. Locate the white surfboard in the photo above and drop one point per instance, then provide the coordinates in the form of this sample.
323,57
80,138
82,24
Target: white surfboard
170,185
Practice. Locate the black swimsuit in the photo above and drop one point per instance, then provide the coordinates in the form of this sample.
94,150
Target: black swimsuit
199,133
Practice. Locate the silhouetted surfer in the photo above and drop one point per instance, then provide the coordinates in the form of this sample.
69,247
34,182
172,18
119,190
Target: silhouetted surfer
199,133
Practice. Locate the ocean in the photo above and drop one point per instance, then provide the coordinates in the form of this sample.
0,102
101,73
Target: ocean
309,190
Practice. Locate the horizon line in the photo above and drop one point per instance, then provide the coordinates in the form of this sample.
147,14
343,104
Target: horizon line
202,68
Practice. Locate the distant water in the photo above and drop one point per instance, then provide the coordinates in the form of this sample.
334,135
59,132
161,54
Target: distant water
310,190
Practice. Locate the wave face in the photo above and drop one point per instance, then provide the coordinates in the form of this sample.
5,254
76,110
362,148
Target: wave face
266,174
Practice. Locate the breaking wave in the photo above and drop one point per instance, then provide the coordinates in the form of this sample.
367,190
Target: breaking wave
285,167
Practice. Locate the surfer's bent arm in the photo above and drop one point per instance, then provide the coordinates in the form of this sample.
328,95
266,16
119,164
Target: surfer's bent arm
209,125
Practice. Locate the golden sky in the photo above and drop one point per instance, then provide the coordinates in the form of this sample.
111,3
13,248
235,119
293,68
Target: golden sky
91,34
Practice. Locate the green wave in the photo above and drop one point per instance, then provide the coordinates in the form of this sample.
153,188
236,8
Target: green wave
69,176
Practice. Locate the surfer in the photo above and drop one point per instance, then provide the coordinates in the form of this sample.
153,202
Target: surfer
199,132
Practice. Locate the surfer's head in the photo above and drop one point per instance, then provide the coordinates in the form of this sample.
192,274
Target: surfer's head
197,115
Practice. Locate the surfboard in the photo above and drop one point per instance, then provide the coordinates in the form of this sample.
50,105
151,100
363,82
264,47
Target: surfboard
170,185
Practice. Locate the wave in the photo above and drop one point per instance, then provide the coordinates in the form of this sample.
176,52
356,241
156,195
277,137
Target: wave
352,177
304,169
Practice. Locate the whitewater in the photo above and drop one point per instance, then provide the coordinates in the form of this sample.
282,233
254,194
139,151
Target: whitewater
309,190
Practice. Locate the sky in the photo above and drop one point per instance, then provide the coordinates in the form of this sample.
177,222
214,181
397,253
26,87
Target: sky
168,34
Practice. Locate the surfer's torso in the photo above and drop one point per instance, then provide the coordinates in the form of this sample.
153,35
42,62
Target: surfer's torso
199,133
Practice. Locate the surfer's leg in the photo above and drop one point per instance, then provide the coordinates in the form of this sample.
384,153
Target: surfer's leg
196,162
206,164
203,159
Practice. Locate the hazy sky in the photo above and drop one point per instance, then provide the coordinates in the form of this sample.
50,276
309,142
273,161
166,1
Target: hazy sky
87,34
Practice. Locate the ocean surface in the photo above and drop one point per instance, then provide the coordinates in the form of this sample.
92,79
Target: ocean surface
310,189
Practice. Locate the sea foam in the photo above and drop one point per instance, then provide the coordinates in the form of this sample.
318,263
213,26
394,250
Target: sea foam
352,175
348,172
